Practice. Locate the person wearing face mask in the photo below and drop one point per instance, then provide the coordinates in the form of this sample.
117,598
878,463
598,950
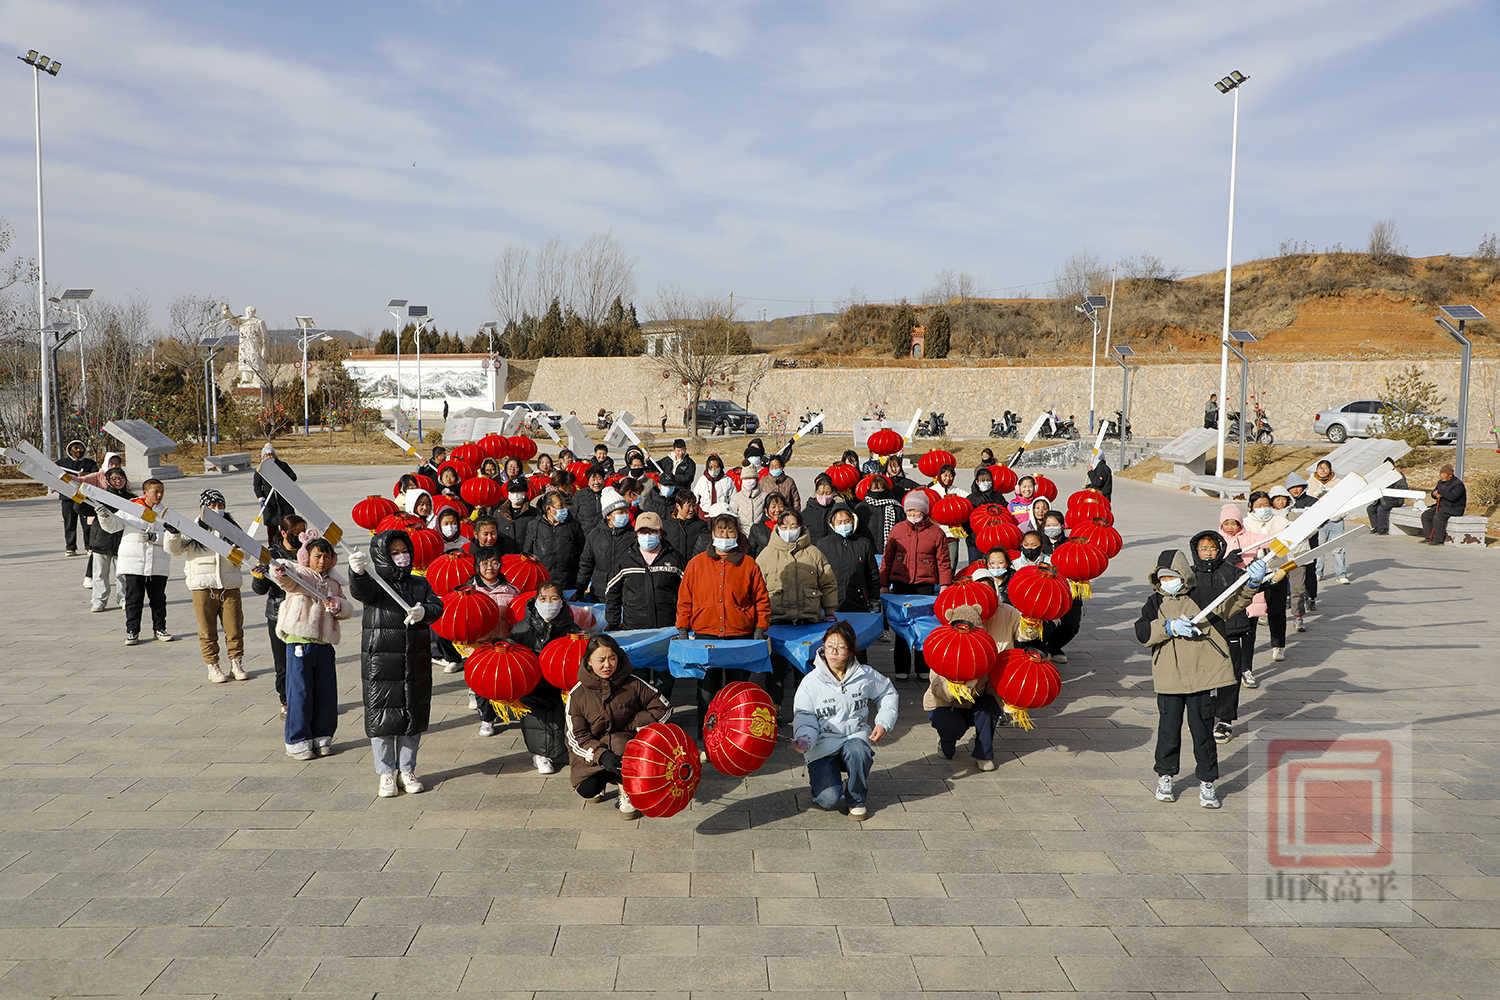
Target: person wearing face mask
852,558
395,658
1037,517
915,562
602,547
779,482
1056,635
309,626
658,494
819,506
555,540
489,581
643,591
1188,661
749,499
983,491
1337,566
1033,550
945,485
900,485
1239,548
543,730
515,516
801,585
103,545
723,596
284,544
1307,600
214,582
683,529
450,526
878,512
445,654
762,530
714,490
1264,522
997,568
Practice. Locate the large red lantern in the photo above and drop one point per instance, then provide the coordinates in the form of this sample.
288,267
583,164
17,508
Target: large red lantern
464,469
1080,562
468,616
952,510
971,595
371,511
449,571
580,472
468,453
502,671
660,770
930,463
1045,487
863,486
844,476
562,658
959,651
398,522
481,491
426,545
425,482
1025,679
524,572
1090,503
967,572
1004,477
443,502
885,442
997,535
1039,593
516,609
739,731
1099,533
535,483
989,513
522,447
494,446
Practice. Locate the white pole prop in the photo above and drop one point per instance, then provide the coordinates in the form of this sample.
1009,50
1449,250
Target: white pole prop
190,527
1036,429
630,436
1099,439
64,483
400,442
218,521
315,515
911,428
806,429
260,517
1301,560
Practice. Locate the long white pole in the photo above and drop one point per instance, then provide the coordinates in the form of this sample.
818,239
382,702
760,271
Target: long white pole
1109,324
83,378
396,419
41,274
1093,362
1234,148
304,385
419,381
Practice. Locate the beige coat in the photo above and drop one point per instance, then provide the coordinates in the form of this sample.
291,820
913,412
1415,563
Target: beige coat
1187,666
1003,627
799,580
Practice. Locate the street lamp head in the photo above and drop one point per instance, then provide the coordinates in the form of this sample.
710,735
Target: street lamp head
395,304
1237,77
76,294
490,326
54,67
325,337
305,322
1097,301
29,58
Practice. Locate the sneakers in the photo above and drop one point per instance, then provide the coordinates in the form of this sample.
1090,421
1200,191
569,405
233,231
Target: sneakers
283,711
164,637
1278,654
71,552
449,667
922,675
946,749
304,755
411,784
131,638
1248,677
627,809
486,729
215,675
543,764
1312,604
473,701
1059,657
1208,797
387,786
1343,579
1223,732
1300,626
324,749
1164,790
858,812
96,608
88,584
985,765
900,677
237,670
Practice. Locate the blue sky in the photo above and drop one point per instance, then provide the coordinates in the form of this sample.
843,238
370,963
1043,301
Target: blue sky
322,158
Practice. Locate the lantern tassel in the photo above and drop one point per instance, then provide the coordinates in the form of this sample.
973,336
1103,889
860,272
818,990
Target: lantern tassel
1082,590
961,694
1019,717
1030,628
509,711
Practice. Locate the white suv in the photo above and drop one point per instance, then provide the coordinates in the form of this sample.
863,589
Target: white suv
536,412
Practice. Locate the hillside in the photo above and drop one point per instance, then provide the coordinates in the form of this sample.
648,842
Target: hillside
1343,305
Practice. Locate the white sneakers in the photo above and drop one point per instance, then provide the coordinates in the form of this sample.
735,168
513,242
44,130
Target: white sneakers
215,675
449,667
543,764
858,812
387,786
1223,732
1343,579
486,729
1059,657
237,670
164,637
473,701
627,809
1208,798
1248,678
1278,654
411,784
1164,790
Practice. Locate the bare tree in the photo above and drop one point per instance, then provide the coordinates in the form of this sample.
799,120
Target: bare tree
194,317
1385,241
1081,274
1148,267
549,277
119,350
602,272
701,356
508,284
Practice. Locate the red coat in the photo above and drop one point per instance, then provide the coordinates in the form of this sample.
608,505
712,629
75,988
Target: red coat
723,595
916,555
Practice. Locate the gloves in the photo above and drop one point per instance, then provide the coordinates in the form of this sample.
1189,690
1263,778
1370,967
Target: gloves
1282,571
610,761
415,615
359,562
683,633
1183,628
759,633
1257,571
803,744
278,570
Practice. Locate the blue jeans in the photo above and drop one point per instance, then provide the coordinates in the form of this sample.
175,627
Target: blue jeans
951,722
825,774
388,750
1327,533
312,696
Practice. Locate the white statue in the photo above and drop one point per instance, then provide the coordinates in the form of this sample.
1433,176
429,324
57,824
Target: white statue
252,349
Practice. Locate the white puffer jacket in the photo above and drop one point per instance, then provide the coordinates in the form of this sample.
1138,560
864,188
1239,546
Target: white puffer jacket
203,568
141,553
302,613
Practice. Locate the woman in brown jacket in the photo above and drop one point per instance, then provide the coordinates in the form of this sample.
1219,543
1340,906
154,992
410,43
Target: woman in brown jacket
607,707
916,562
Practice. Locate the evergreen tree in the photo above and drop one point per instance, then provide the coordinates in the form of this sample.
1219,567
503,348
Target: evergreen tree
939,334
386,344
904,322
550,332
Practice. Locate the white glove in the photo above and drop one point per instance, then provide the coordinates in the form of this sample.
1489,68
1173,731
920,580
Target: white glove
415,615
359,562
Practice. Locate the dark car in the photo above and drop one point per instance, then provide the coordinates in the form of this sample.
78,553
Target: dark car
735,417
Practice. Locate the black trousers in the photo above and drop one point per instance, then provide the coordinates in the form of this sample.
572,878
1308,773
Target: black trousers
278,657
905,657
1380,517
594,783
1198,707
1276,597
662,680
543,729
1055,637
71,527
1241,656
139,589
1310,578
1434,526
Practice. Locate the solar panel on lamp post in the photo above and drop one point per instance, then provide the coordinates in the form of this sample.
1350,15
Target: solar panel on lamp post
419,313
1230,83
42,64
392,306
1462,315
1247,426
1090,308
1118,354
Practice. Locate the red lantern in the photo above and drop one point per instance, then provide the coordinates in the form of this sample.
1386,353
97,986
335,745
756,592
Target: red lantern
1098,533
467,616
425,482
844,476
989,513
1039,593
968,571
972,594
1025,679
1005,479
371,511
959,652
739,731
516,609
524,571
1045,487
930,463
502,671
952,510
660,770
535,483
494,446
522,447
997,535
562,658
885,442
449,571
580,473
399,522
863,486
1080,562
481,491
1087,504
469,454
426,545
442,502
464,469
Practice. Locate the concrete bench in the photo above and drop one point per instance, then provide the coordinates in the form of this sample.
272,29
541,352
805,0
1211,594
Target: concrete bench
1225,488
1408,519
1466,529
238,462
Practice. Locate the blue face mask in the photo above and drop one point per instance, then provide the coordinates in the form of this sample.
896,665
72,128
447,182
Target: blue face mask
562,514
667,491
778,473
983,485
619,520
648,543
844,529
726,544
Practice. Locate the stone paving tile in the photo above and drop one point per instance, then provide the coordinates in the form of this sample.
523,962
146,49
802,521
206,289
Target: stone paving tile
80,977
1325,975
276,911
526,972
190,942
864,972
914,941
351,942
1407,975
589,883
767,940
917,911
1145,942
1087,972
1347,942
243,975
433,975
434,910
585,942
1022,974
821,912
1037,941
693,910
574,910
59,942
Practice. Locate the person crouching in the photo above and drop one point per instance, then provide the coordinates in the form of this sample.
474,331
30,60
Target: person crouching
606,708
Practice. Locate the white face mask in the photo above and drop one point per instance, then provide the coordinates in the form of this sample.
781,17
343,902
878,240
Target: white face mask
401,560
1052,531
548,609
516,499
726,544
789,534
1171,585
983,485
1262,513
449,530
915,517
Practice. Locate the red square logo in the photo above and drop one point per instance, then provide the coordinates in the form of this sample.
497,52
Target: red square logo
1329,803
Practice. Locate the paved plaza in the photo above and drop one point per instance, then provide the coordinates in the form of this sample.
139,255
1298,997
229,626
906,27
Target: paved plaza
154,838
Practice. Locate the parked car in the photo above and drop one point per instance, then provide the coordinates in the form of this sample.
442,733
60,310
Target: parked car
737,419
1361,418
536,412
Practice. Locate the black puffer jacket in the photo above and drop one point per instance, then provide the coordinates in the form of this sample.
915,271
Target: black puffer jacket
601,554
264,585
557,547
534,632
758,539
514,526
1211,577
1101,479
688,537
95,538
585,506
395,662
853,562
642,596
815,518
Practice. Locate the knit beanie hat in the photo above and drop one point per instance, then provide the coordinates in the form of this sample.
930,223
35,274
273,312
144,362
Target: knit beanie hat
1293,480
610,501
1231,512
917,500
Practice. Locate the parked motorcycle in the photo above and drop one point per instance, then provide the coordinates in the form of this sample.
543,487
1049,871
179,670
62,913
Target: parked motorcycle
1008,426
1059,428
1112,427
604,419
809,415
932,425
1262,432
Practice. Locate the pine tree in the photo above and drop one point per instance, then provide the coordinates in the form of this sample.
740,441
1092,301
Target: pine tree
550,332
939,334
386,344
904,322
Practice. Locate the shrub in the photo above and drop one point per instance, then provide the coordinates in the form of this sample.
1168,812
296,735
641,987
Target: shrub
1484,491
1259,455
1410,397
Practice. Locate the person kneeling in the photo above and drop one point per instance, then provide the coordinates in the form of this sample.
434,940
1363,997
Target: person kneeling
829,724
607,707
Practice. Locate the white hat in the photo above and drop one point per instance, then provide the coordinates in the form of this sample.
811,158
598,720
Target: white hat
610,501
267,450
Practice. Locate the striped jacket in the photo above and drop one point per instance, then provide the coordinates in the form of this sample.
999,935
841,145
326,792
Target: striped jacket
644,596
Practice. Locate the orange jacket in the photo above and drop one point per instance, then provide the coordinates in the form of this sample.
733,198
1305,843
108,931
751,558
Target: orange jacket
723,595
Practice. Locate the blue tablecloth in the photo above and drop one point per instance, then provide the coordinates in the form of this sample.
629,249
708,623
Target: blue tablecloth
646,647
691,657
800,643
910,616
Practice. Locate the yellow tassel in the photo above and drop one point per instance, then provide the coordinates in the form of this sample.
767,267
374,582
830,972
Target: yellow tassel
1082,590
961,694
464,649
1019,717
1030,628
509,711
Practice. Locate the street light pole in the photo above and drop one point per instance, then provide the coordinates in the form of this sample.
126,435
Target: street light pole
419,313
393,305
1462,314
308,328
1090,308
40,64
1119,354
1231,82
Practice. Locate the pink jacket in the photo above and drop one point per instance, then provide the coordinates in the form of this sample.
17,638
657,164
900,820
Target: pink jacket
302,612
1247,541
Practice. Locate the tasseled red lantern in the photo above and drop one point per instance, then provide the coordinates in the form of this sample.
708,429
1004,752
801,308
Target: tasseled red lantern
930,463
425,482
959,652
468,453
467,616
426,545
660,769
1004,478
494,446
449,571
844,476
997,535
524,572
443,502
1025,679
464,469
968,571
863,486
481,491
516,609
952,510
739,731
535,483
522,447
1045,487
990,512
580,473
1099,533
1080,562
371,511
562,658
503,673
885,442
1039,593
1088,504
974,595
